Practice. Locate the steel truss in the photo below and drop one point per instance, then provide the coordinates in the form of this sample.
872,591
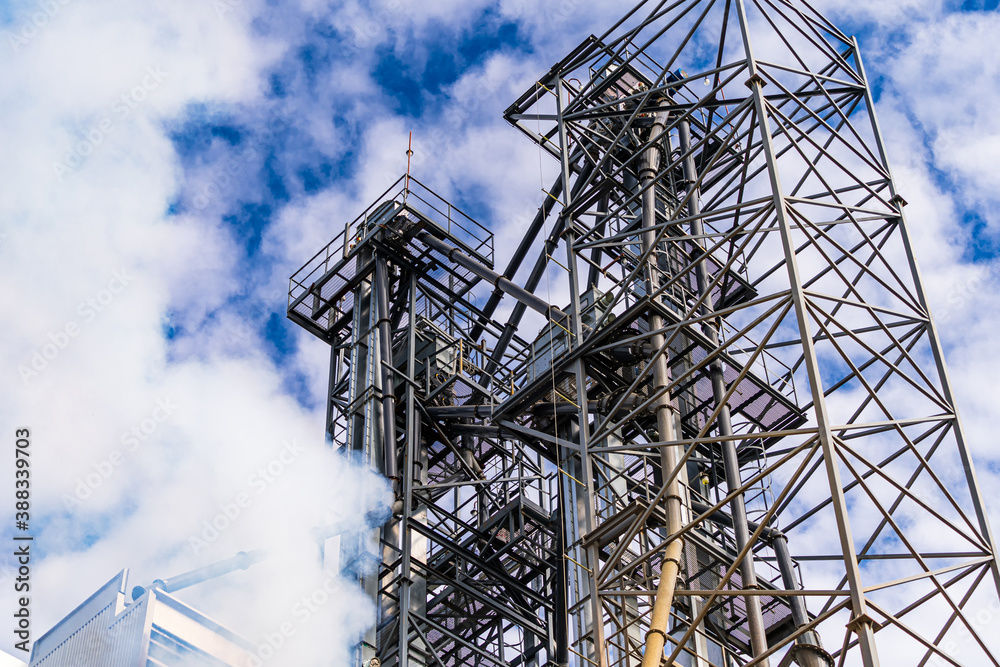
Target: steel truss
737,444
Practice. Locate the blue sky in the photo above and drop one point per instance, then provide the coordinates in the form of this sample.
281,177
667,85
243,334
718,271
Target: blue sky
209,148
411,83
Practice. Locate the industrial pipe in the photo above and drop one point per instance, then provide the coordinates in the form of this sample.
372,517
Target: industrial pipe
808,650
560,632
656,637
521,252
537,271
498,281
385,352
240,561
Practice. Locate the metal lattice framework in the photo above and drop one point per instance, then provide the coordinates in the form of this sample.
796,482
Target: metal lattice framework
736,445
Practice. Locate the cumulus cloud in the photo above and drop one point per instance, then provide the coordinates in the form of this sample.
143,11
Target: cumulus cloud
168,167
138,445
947,75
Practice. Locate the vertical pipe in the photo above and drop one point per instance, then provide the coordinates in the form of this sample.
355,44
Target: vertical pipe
656,637
412,444
808,651
388,383
737,506
561,613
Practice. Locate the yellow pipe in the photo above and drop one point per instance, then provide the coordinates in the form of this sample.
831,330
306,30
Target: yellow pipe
656,637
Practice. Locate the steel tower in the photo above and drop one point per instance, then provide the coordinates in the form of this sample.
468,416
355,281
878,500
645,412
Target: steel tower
736,444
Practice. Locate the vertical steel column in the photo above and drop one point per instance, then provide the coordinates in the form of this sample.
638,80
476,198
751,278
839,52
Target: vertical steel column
932,336
590,521
737,506
861,623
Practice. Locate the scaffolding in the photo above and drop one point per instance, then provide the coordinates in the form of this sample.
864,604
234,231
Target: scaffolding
736,444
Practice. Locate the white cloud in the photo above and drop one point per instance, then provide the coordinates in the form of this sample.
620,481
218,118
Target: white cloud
132,452
66,232
888,14
947,76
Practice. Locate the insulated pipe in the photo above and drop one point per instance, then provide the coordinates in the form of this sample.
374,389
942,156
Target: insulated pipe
240,561
486,273
808,650
656,637
737,506
522,250
385,352
531,283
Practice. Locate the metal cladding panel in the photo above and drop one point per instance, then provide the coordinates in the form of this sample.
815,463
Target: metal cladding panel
102,632
84,637
186,637
129,632
103,641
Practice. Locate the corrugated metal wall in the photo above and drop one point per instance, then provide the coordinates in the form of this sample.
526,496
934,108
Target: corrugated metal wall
156,630
101,642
